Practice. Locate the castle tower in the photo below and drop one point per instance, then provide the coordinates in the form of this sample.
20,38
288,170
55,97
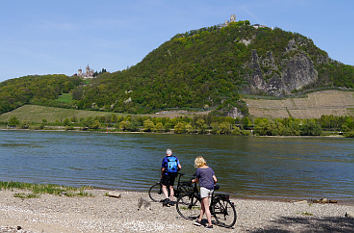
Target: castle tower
88,70
233,18
79,72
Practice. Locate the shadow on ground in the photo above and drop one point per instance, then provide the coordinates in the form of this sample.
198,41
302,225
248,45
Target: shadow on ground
309,224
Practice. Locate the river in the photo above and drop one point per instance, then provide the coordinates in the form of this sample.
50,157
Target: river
248,167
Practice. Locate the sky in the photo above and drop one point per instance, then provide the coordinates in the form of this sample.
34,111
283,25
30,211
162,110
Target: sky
61,36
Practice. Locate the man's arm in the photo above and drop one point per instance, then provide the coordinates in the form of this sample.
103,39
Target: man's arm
179,166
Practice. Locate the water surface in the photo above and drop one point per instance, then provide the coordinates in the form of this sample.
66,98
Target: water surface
245,166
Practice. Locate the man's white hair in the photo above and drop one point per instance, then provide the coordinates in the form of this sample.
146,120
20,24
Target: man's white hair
169,152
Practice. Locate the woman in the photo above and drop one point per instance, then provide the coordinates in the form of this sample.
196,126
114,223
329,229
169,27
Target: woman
207,179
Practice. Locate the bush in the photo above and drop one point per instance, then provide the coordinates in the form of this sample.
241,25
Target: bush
236,131
13,121
349,134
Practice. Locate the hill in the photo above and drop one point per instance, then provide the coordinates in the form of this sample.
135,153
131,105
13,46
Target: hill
209,67
200,70
35,89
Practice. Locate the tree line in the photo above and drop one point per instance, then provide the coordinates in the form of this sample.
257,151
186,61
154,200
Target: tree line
207,124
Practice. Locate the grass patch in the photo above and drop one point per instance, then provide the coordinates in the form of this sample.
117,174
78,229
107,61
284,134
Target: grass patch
26,195
35,114
51,189
65,98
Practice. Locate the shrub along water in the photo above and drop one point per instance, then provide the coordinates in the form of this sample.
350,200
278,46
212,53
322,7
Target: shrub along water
206,124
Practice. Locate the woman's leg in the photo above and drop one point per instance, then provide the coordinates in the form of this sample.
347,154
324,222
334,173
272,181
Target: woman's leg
202,210
205,203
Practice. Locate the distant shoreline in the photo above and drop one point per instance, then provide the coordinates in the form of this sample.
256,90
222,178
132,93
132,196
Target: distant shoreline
162,133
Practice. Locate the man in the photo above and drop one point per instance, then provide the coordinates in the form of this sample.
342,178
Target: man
170,167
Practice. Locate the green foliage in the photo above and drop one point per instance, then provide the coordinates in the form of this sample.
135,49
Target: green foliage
310,128
159,127
149,125
43,90
286,127
65,98
13,122
26,195
38,189
180,128
349,134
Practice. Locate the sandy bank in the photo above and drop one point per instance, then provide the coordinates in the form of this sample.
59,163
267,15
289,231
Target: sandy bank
106,214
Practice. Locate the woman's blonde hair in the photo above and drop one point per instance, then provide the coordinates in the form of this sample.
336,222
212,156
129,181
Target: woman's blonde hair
199,162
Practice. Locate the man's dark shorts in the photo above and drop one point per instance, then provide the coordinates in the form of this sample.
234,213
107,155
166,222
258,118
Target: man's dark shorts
168,180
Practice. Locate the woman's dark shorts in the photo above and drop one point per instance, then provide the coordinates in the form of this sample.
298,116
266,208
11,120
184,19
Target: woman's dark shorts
168,180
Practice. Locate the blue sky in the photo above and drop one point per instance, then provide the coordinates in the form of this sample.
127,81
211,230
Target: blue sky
46,37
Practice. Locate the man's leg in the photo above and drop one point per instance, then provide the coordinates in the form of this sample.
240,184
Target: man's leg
164,190
172,193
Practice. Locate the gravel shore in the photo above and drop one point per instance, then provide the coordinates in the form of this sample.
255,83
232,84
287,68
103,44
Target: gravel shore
101,213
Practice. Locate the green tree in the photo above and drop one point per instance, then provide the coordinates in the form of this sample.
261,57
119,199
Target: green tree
124,125
159,127
310,128
224,128
180,128
148,125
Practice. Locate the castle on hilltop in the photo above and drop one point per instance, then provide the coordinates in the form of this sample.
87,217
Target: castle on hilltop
88,74
233,19
227,22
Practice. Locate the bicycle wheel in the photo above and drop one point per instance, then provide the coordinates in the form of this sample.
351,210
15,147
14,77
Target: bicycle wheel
155,192
224,212
188,206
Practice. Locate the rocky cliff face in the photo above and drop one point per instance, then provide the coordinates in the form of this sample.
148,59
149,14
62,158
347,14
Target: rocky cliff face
293,72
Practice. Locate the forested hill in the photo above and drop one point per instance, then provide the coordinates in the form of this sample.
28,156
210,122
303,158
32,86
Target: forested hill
36,89
202,69
209,67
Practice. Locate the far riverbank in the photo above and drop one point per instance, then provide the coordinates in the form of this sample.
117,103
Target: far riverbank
103,131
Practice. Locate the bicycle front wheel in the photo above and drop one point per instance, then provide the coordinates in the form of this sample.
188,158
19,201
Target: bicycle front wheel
155,192
188,206
225,213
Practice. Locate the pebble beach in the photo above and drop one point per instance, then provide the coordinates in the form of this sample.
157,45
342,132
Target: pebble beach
101,213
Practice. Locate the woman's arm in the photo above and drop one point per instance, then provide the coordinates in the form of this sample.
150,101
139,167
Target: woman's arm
195,180
215,180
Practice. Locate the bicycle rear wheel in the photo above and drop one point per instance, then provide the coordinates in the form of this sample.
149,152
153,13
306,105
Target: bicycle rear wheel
224,212
188,206
155,192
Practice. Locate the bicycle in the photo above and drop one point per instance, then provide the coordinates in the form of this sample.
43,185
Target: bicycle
156,194
221,208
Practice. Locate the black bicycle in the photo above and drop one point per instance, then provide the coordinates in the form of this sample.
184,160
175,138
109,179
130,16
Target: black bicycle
182,187
221,208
